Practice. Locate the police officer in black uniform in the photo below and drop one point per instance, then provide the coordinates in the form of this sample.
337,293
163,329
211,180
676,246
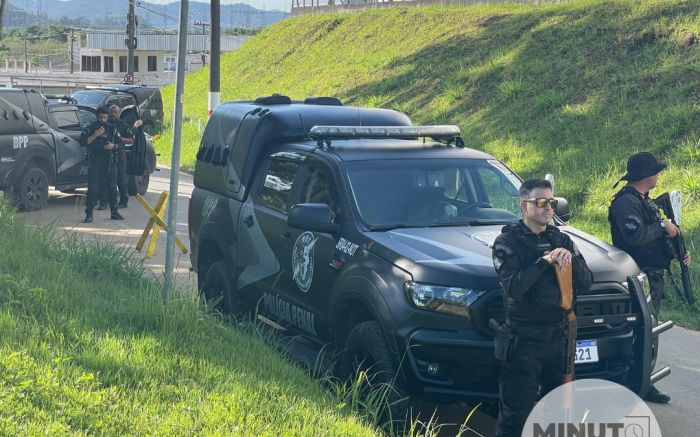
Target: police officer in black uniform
638,228
525,256
126,137
101,140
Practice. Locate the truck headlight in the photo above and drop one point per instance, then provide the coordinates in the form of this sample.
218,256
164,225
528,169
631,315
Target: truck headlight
646,288
449,300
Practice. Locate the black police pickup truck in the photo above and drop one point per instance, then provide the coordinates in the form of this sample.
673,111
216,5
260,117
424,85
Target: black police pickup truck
39,147
356,229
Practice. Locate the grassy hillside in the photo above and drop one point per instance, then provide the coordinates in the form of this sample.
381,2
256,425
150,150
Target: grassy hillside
569,89
87,348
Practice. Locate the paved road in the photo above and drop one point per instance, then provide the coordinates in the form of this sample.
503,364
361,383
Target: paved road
680,348
67,212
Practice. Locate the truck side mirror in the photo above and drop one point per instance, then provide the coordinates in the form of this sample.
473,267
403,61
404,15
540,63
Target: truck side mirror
312,217
562,210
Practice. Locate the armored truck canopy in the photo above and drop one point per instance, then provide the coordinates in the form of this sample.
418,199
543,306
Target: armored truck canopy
239,133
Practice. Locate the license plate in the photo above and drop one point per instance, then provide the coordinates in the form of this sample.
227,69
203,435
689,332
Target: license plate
586,351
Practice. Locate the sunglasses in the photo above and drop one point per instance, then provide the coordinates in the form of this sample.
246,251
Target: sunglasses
541,202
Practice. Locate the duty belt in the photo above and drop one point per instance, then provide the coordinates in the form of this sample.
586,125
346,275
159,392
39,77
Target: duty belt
538,332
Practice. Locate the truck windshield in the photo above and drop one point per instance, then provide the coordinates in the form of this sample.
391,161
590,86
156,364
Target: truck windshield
89,98
433,192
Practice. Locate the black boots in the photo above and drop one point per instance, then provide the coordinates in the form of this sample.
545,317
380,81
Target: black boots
116,216
655,396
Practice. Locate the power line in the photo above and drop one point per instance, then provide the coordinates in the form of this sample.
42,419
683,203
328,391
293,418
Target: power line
153,11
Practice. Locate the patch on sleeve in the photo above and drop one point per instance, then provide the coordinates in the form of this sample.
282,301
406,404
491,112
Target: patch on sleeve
503,248
500,252
632,224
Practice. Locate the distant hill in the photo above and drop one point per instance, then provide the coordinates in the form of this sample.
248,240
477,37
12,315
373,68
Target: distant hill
108,14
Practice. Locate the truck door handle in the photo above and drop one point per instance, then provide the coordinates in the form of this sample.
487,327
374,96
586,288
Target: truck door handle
249,221
286,237
65,139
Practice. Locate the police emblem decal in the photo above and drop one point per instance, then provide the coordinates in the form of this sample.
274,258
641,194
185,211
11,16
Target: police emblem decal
303,260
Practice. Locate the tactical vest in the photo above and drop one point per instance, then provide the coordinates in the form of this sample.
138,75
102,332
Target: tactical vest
544,296
654,254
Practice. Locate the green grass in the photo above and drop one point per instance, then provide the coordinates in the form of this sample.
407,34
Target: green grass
570,89
88,348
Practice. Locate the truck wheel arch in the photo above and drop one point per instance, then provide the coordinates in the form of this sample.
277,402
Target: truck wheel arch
360,301
208,253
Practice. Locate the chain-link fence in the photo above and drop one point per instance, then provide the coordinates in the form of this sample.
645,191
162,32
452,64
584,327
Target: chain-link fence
37,63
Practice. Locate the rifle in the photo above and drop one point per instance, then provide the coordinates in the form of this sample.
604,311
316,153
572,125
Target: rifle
113,152
566,288
678,247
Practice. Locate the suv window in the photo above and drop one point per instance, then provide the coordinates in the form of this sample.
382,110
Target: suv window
501,193
125,101
112,100
317,189
87,117
276,190
67,120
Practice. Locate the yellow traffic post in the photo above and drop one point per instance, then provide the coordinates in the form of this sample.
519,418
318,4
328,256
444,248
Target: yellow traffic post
156,219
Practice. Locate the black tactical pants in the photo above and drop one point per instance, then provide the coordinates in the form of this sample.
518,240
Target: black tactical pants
656,285
534,368
121,176
101,178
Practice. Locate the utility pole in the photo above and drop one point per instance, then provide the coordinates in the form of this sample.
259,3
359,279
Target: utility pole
175,161
26,57
131,39
214,53
72,40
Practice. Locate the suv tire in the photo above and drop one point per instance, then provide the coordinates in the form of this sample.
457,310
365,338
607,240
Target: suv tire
138,184
219,289
366,350
32,191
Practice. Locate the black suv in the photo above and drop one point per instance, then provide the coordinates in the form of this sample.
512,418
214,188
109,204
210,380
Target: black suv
39,147
146,98
358,230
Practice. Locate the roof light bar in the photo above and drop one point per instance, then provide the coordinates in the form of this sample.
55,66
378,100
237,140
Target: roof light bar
398,132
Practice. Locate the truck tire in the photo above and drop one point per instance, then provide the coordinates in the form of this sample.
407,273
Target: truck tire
219,290
31,192
138,184
366,351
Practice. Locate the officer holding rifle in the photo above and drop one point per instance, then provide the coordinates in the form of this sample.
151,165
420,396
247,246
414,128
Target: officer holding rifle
534,345
101,139
638,228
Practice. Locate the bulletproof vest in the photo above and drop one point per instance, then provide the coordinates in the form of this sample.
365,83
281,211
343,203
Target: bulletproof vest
96,149
654,254
544,294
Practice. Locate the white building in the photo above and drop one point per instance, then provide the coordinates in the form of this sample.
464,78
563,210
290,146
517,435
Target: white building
104,56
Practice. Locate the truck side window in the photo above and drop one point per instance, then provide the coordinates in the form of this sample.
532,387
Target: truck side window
67,120
317,189
87,117
277,188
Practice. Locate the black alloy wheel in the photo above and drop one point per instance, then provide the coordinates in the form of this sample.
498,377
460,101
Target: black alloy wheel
32,191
